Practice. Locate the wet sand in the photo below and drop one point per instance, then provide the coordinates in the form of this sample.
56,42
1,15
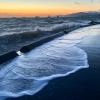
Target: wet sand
82,85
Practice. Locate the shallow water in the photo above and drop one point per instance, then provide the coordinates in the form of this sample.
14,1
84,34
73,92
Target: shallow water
30,72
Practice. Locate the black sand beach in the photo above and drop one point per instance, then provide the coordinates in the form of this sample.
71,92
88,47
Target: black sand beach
81,85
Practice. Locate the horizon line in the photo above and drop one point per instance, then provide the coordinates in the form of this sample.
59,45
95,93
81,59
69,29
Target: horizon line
14,16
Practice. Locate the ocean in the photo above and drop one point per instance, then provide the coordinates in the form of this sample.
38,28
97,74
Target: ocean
28,73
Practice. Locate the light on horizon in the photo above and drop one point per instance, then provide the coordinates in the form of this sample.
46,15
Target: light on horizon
46,7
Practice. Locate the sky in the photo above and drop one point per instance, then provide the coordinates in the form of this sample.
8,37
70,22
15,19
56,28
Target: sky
27,8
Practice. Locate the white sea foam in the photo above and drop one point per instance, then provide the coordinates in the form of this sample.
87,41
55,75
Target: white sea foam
29,73
19,53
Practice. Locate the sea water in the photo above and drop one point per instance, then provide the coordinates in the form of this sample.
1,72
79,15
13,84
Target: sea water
29,73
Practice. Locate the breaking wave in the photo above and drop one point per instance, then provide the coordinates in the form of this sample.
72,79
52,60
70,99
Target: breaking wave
16,26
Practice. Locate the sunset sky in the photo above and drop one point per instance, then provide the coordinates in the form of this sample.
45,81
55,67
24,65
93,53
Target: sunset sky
29,8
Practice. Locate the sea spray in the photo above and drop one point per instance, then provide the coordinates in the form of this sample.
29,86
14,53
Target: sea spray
19,53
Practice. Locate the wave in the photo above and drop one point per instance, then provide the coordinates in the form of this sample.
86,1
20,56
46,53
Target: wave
13,28
29,73
22,35
59,27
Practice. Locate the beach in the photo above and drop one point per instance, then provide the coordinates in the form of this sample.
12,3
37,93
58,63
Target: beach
49,49
81,85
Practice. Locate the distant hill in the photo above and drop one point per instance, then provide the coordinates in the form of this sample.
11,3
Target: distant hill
84,16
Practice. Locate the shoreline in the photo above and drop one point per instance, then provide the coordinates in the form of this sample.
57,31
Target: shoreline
81,85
